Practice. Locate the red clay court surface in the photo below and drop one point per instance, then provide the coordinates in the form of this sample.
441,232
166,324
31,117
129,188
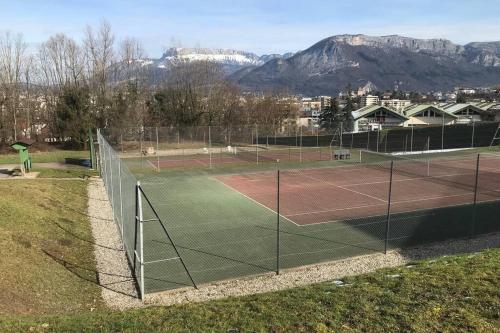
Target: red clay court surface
310,196
225,158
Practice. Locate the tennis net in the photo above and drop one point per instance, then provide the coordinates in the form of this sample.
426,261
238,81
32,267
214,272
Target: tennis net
423,165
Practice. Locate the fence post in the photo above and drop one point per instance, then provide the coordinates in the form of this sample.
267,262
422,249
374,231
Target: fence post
157,151
341,133
121,198
473,222
300,148
442,132
210,147
139,220
473,130
278,222
378,137
386,139
140,152
368,141
387,225
257,142
111,177
411,140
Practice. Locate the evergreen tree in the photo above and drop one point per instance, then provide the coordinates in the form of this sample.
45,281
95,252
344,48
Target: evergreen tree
73,114
327,119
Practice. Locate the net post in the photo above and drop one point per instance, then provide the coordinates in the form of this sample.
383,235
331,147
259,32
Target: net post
352,139
473,221
157,151
277,222
378,138
388,221
368,140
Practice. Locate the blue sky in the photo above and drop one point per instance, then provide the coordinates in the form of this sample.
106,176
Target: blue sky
257,26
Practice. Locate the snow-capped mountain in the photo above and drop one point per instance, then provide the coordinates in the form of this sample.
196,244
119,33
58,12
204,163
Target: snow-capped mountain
231,60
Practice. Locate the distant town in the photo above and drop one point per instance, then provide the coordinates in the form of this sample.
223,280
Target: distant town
376,110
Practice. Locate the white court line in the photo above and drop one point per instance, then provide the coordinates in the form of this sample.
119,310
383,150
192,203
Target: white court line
393,202
151,163
409,179
255,201
346,189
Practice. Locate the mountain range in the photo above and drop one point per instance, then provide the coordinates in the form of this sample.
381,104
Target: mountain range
331,64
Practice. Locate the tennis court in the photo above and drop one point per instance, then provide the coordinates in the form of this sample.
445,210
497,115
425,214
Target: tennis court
215,157
323,195
224,222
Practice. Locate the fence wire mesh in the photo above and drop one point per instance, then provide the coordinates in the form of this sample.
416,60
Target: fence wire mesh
197,227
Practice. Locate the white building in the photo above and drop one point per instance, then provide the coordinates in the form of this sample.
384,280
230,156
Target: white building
466,112
376,117
427,114
396,104
369,100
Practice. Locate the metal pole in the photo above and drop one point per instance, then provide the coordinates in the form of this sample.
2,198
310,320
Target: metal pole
121,197
473,130
406,142
473,222
341,134
411,141
352,139
378,137
386,139
278,223
157,151
387,225
300,148
141,238
111,178
140,152
442,132
368,141
257,142
210,147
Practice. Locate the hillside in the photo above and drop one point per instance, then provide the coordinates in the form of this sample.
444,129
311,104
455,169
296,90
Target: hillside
388,62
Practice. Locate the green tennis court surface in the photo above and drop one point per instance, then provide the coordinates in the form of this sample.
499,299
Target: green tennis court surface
223,233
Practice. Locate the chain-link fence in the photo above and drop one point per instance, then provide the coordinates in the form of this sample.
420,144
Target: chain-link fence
182,230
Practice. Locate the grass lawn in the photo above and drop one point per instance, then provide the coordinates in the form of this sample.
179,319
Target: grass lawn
43,157
47,262
74,172
454,293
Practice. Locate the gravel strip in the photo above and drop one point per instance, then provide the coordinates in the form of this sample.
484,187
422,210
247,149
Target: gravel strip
119,290
115,277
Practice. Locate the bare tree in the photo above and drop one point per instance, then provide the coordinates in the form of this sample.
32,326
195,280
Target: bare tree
12,56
